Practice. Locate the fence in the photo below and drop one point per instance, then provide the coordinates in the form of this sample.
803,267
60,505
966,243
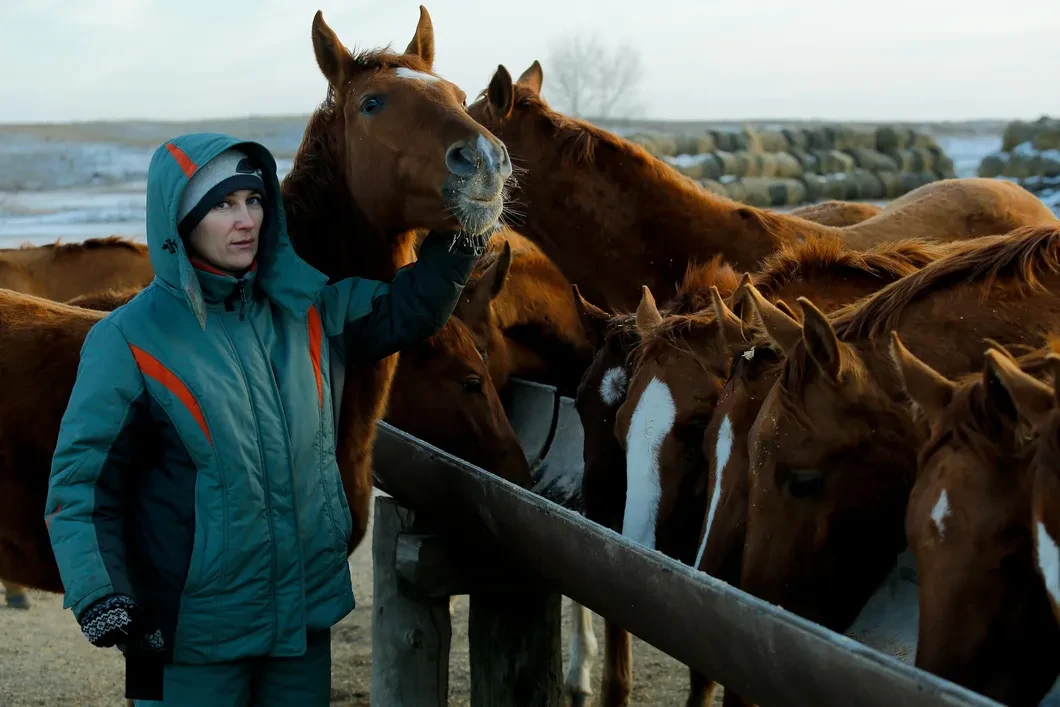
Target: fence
451,528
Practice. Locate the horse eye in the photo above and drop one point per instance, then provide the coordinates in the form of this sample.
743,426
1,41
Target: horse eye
472,384
370,104
805,482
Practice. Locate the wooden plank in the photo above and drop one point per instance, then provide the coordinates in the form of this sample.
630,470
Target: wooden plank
410,634
514,649
766,654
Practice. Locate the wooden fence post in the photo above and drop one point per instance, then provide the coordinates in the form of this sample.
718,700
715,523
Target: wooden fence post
411,633
515,652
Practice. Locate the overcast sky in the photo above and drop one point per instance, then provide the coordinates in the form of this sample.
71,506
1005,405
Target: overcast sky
703,59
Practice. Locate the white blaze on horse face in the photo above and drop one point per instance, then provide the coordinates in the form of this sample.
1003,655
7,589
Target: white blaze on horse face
722,452
940,512
653,418
613,385
1049,562
583,649
404,73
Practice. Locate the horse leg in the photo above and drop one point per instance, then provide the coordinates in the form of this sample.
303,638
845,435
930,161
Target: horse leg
583,651
16,595
700,690
618,666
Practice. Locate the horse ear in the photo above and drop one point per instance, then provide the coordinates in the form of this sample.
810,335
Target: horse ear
740,307
786,309
500,270
648,316
332,57
532,78
1053,362
821,342
422,44
594,320
730,329
501,93
930,390
783,329
1033,399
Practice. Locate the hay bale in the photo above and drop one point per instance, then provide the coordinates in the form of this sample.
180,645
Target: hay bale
756,191
797,138
891,183
914,159
767,163
1018,132
821,139
1048,138
750,163
943,164
867,184
727,160
742,163
993,165
814,184
892,138
807,160
786,192
712,167
833,161
847,137
730,140
788,166
769,141
1023,165
868,158
1050,163
736,191
657,144
924,141
694,143
694,170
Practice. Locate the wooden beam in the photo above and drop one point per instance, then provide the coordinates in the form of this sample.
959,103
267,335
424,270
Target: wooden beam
411,633
515,652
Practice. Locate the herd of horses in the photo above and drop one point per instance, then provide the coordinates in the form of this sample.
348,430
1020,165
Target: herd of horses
818,392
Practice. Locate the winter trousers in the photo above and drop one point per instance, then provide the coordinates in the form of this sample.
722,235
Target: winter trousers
304,681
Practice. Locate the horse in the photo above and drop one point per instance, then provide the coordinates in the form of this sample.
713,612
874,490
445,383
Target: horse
680,376
1039,405
832,452
985,618
391,152
836,213
613,217
59,271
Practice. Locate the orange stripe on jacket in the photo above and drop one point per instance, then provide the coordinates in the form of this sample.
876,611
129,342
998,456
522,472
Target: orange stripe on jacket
182,159
48,520
316,337
150,366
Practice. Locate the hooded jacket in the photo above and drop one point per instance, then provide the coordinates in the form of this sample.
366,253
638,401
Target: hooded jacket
195,466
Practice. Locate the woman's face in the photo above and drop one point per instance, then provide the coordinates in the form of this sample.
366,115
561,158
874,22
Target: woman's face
227,237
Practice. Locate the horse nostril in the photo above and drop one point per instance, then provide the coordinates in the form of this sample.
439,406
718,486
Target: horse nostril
506,162
462,160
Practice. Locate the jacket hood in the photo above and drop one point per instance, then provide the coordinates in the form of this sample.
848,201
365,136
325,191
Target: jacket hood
282,275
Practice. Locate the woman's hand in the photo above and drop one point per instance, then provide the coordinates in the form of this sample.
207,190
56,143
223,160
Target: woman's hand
117,620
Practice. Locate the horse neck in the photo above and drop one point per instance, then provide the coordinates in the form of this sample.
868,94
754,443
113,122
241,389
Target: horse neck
537,294
582,213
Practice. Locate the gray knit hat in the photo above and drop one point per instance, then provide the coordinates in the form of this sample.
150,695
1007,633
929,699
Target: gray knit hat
228,172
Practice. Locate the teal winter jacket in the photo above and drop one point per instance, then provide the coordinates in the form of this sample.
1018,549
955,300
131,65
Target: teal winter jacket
195,467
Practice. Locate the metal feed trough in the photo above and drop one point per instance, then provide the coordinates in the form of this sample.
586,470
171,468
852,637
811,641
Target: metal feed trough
766,654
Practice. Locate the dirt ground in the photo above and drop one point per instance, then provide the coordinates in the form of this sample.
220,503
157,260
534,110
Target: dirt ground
44,659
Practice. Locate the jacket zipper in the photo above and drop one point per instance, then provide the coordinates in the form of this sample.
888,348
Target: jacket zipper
264,473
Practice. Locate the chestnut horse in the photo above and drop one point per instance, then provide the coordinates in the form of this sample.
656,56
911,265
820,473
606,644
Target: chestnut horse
1040,406
391,150
985,619
522,313
613,217
682,366
832,452
60,271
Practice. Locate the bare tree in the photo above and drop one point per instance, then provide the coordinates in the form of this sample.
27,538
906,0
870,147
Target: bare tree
587,79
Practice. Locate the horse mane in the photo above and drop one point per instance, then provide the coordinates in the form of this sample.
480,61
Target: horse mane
454,335
63,249
816,257
1017,257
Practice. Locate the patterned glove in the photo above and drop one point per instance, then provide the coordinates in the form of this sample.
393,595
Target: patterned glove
117,620
474,243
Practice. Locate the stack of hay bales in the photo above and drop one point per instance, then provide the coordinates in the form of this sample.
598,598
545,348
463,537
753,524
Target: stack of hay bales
795,165
1030,155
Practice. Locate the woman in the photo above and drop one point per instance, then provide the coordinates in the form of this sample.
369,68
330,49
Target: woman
195,507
